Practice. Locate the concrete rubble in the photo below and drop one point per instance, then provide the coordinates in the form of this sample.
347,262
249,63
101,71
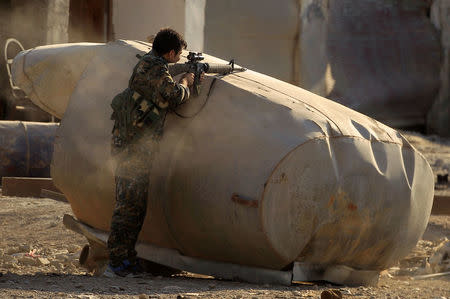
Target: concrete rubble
48,260
426,258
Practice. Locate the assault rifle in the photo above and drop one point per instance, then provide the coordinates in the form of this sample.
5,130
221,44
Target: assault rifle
193,65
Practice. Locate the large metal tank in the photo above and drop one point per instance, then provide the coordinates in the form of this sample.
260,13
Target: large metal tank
260,173
26,148
50,82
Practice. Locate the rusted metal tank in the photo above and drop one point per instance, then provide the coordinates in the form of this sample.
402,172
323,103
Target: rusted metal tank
50,82
259,172
26,148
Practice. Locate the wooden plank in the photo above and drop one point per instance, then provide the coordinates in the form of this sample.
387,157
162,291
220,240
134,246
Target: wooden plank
90,233
434,275
441,204
26,187
53,195
173,259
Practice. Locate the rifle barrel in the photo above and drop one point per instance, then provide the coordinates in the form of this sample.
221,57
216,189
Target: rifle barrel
219,68
215,68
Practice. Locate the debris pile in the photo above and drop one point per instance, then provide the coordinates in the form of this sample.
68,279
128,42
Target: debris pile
427,258
439,261
52,260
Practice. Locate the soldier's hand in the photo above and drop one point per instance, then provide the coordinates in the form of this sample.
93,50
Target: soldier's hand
189,77
202,77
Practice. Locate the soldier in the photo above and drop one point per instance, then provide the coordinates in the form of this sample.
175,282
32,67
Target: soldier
139,114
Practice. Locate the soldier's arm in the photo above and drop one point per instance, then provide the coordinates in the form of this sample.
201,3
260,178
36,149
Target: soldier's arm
172,93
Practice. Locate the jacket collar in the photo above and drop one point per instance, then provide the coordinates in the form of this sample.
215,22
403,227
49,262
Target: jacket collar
154,55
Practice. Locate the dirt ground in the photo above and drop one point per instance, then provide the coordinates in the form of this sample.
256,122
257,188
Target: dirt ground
39,258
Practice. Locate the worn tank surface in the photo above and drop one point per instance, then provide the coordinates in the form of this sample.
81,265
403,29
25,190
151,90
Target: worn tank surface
258,172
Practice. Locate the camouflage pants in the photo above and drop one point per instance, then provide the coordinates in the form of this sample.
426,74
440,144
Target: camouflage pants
132,182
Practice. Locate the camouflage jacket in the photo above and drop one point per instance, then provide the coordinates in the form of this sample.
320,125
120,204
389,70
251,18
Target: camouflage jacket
153,80
151,93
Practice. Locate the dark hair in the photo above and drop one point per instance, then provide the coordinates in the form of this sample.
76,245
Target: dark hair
168,39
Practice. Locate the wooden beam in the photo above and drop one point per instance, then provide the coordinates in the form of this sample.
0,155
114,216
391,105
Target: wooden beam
53,195
441,204
173,259
26,187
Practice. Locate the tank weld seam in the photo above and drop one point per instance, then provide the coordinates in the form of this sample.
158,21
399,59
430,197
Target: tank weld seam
33,90
410,146
292,97
367,139
261,201
377,124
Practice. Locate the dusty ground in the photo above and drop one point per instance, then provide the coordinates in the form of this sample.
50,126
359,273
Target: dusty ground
39,259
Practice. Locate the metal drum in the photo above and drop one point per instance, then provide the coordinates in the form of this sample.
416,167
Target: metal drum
26,148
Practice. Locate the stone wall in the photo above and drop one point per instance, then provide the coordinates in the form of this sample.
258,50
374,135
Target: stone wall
384,58
141,19
57,21
379,57
195,24
313,71
262,35
438,117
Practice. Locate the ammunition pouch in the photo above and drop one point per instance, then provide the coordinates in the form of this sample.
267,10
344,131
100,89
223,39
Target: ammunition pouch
132,113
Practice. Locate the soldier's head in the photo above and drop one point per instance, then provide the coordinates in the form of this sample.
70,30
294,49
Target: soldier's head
168,43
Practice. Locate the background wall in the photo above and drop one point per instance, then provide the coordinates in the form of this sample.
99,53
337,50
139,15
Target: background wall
195,24
379,57
139,19
57,21
438,120
388,59
259,34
